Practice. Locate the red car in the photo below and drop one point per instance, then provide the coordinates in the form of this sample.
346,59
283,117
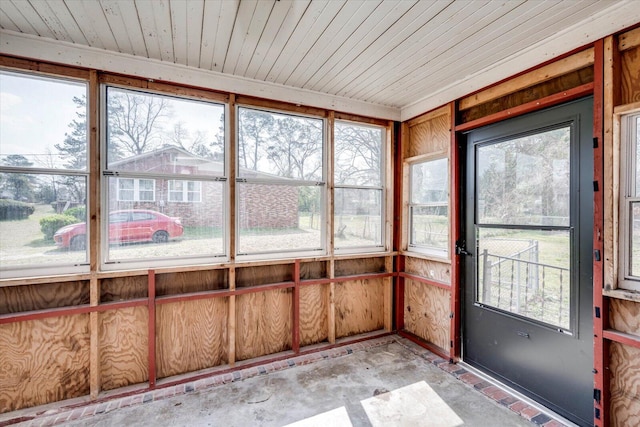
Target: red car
135,225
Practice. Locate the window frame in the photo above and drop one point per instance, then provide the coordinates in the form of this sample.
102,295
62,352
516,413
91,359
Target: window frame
71,267
628,124
426,250
136,190
107,264
382,247
184,192
323,184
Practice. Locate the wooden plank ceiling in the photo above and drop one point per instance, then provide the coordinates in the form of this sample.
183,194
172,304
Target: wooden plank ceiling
386,52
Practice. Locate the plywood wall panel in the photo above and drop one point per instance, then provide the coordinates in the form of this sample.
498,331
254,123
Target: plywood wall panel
348,267
630,75
430,269
263,275
263,323
426,312
191,281
625,385
624,316
429,136
43,361
123,347
359,306
313,270
191,335
123,288
14,299
313,314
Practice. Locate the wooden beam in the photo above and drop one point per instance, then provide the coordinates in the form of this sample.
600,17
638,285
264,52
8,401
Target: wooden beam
455,229
231,162
629,40
232,320
94,345
331,321
555,69
152,328
388,295
622,338
295,309
426,281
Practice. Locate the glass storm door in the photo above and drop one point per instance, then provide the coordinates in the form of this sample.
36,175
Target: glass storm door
528,278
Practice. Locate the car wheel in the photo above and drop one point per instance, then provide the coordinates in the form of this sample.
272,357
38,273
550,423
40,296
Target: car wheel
160,237
78,243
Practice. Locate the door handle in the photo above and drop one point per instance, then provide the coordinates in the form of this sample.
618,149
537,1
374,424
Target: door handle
460,248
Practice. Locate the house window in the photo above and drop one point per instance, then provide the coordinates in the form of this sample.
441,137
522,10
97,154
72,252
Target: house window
136,190
152,143
629,218
429,207
359,191
185,191
43,175
281,186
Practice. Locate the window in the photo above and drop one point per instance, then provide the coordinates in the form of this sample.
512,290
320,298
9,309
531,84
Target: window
136,190
153,142
43,174
429,207
185,191
359,190
629,218
281,188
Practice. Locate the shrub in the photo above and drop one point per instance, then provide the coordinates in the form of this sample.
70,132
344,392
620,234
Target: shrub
79,213
52,223
13,209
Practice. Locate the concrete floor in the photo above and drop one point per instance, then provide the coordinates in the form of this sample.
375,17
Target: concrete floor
390,384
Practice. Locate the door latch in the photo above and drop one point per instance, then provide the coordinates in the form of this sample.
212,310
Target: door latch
460,248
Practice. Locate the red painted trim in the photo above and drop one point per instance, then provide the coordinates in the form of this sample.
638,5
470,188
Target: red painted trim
263,288
193,296
600,303
399,293
455,230
340,279
548,101
622,338
422,343
295,339
398,286
152,328
426,281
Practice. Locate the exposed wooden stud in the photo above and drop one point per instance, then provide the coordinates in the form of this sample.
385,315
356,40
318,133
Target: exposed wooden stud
93,155
152,329
399,293
44,67
622,338
330,179
389,187
231,322
332,303
629,40
231,162
295,309
538,75
455,229
388,296
425,281
94,345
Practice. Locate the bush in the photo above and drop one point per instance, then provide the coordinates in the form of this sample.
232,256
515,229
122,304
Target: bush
13,209
79,213
52,223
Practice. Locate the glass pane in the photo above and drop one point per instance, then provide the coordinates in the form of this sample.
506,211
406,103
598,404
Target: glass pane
637,156
161,134
634,254
525,180
429,182
43,122
36,221
525,272
164,227
358,155
430,227
272,144
358,217
279,218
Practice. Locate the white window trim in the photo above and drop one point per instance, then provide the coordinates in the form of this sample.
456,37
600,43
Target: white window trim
184,192
426,250
628,165
136,190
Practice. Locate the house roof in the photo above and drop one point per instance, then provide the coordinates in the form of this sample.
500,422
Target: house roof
385,58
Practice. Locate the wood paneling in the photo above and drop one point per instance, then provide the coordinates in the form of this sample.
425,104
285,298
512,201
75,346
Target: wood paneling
630,75
429,136
359,306
191,281
430,269
14,299
263,275
43,361
625,385
263,323
624,316
123,349
313,270
348,267
191,335
123,288
426,312
313,314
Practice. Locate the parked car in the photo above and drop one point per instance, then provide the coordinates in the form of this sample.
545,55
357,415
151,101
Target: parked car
125,226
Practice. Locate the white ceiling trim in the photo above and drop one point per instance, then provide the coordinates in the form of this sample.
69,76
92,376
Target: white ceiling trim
609,21
44,49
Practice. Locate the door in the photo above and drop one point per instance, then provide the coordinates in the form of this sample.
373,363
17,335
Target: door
528,276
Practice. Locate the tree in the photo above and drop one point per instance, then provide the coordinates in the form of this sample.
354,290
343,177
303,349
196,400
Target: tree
358,154
73,150
20,185
295,148
254,128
